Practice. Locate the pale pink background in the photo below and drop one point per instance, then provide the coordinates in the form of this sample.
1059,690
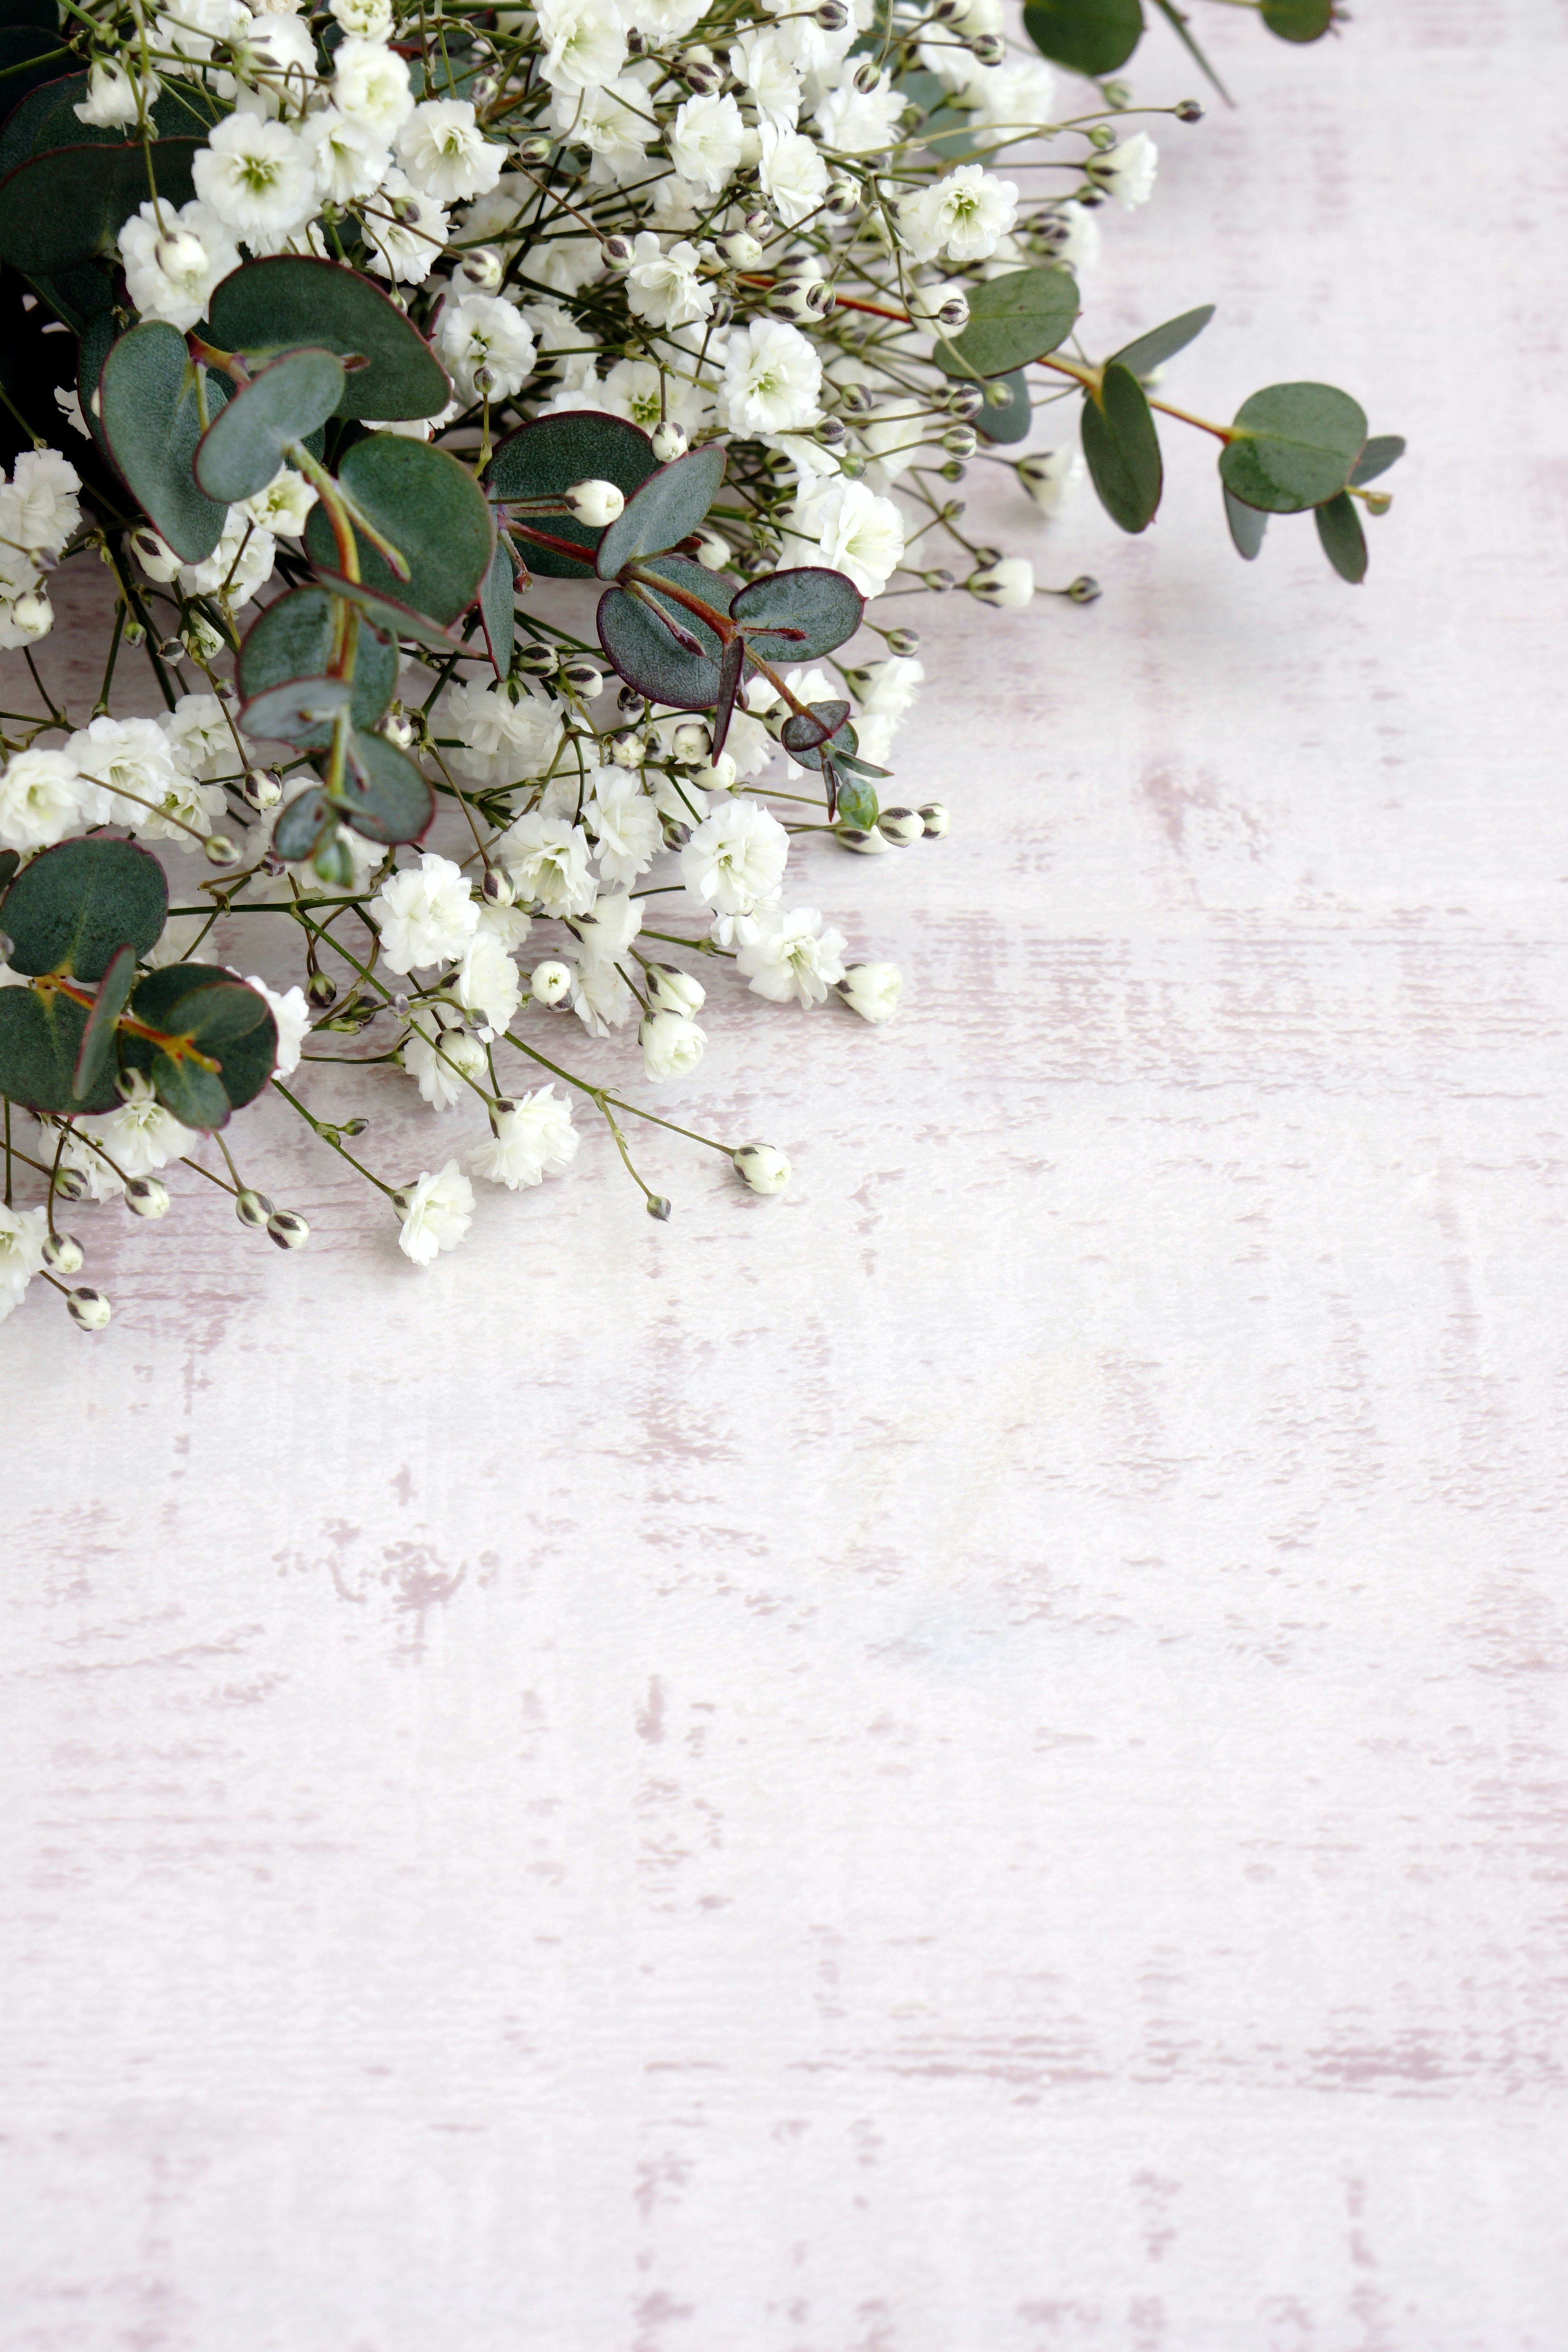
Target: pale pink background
973,1761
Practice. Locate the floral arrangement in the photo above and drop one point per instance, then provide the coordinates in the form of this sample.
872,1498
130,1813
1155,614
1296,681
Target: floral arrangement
386,324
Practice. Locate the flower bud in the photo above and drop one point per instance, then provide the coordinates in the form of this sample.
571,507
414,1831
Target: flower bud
935,819
1377,502
1084,588
872,990
851,465
202,640
595,503
864,844
618,252
536,661
658,1207
133,1086
484,382
583,678
1189,110
288,1229
842,199
691,744
70,1184
760,1165
831,14
952,12
953,471
904,642
321,988
953,313
758,223
712,548
805,294
630,750
901,825
220,850
180,254
550,984
832,431
700,74
988,50
1008,583
63,1253
33,614
866,77
673,991
260,789
535,151
146,1197
495,889
739,250
960,441
670,441
938,581
252,1208
88,1309
482,269
676,834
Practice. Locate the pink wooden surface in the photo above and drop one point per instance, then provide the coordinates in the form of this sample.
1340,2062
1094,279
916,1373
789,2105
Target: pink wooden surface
973,1761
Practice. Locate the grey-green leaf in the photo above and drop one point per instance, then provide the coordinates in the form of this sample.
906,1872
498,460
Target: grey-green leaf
386,797
432,510
1122,450
547,456
646,653
244,446
296,709
1247,525
1014,319
74,906
1298,20
1011,420
96,1055
152,424
293,298
67,206
40,1043
293,639
1088,37
1384,449
1296,446
664,510
1344,542
1147,352
801,614
496,607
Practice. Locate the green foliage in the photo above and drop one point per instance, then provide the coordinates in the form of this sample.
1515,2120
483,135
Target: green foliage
1013,320
1122,450
1298,20
1088,37
30,57
1344,542
496,601
153,423
67,206
432,511
1247,525
293,639
386,797
298,708
664,510
805,739
543,459
216,1044
386,613
300,826
95,1057
643,647
74,906
1147,352
244,446
1013,419
41,1033
292,299
1380,452
1295,444
798,615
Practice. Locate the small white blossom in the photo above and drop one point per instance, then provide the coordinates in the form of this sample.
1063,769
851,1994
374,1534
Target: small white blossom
173,265
672,1043
404,235
772,380
427,913
500,742
350,156
791,173
608,927
600,997
23,1233
586,45
445,153
41,511
284,505
257,178
792,960
707,138
663,288
365,20
488,982
43,798
1127,172
760,1165
533,1139
859,122
626,825
140,1136
883,700
131,762
1009,585
111,96
370,85
963,215
763,61
482,331
615,123
292,1017
547,859
436,1212
856,531
442,1061
872,990
239,565
734,861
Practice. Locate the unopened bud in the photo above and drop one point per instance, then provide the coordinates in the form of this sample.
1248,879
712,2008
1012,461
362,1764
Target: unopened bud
935,819
536,661
953,470
534,151
252,1208
670,441
961,440
658,1207
700,74
760,1165
495,889
758,223
88,1309
321,988
842,198
1084,588
288,1229
595,503
1377,502
63,1253
851,465
70,1184
939,580
988,48
146,1197
867,76
399,729
583,678
630,750
739,249
953,313
863,842
173,649
133,1086
832,15
484,380
712,548
483,268
901,825
832,431
671,990
550,984
903,641
967,402
1189,110
618,252
33,614
676,834
219,849
691,744
180,254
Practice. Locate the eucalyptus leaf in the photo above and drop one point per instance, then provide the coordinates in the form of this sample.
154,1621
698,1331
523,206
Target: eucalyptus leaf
1147,352
1012,420
293,638
857,801
295,832
40,1043
1088,37
731,670
1122,450
1014,319
386,797
1296,445
432,510
1344,542
386,613
643,652
827,728
293,298
1247,525
299,708
153,423
550,455
664,510
243,448
801,614
96,1055
206,1018
30,58
496,608
1298,20
75,904
67,204
1384,449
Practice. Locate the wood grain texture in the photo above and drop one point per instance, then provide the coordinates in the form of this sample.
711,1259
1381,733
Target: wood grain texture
974,1759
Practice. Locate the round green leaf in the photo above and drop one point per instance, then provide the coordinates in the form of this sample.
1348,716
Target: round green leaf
1013,419
96,1056
432,511
293,639
1384,449
297,827
67,204
385,613
201,1009
857,803
76,904
1344,542
666,509
40,1044
30,58
643,651
242,450
152,424
1122,450
1149,351
1247,525
496,608
384,797
543,459
292,299
1296,446
1013,320
828,730
301,707
1298,20
1088,37
801,614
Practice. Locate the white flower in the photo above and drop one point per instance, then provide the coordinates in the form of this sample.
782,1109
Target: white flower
1051,476
735,859
482,331
350,156
670,990
370,85
363,20
1010,583
141,1136
663,288
637,389
1017,96
43,798
548,862
200,738
872,990
427,913
41,511
171,267
608,927
256,177
600,997
274,58
500,742
626,825
181,940
760,1165
436,1212
792,173
111,96
292,1015
488,982
192,26
663,21
856,532
762,60
963,215
404,235
239,565
883,699
615,124
586,42
1074,236
792,960
508,925
706,142
23,1233
565,263
130,760
533,1139
442,1061
282,507
772,380
1127,172
859,122
672,1043
25,617
445,153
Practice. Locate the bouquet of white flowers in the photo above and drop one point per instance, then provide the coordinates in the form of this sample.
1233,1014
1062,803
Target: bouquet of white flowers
381,318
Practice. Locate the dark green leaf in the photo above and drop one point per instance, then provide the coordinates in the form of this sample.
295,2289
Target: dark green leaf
574,445
1013,320
28,116
799,616
1012,421
1121,450
152,424
1384,449
666,509
386,797
293,639
386,613
96,1055
1182,31
432,510
9,861
202,1012
243,448
295,833
301,707
30,58
1298,20
1247,525
1149,351
731,669
74,906
1345,544
643,651
97,341
496,601
804,738
292,299
67,206
1088,37
40,1040
80,296
1297,444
